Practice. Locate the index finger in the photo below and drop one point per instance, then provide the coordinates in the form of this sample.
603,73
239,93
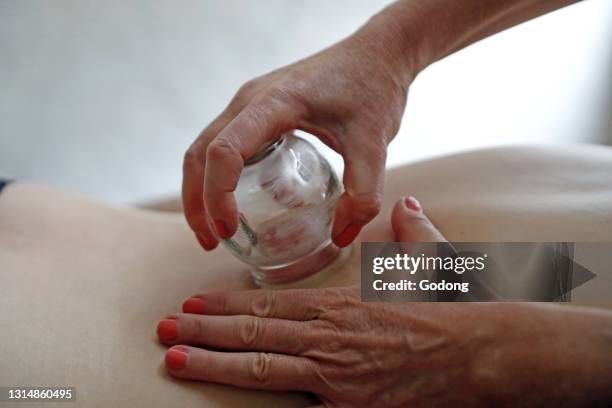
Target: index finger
261,121
193,182
291,304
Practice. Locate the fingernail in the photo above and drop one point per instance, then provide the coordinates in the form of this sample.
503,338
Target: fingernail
167,330
221,229
348,235
413,204
209,246
176,358
193,305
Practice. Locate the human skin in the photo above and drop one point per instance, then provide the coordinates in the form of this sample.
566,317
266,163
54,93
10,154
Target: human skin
85,284
351,95
352,353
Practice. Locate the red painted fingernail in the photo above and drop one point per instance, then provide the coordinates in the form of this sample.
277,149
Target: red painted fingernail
348,235
221,229
209,246
193,305
167,330
176,358
413,204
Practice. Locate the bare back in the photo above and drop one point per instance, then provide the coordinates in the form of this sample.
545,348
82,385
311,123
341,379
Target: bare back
84,284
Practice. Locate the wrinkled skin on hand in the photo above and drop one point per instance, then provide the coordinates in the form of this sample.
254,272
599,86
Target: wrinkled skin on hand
387,354
351,353
328,342
351,96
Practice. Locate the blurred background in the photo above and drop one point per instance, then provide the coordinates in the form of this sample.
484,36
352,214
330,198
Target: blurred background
103,98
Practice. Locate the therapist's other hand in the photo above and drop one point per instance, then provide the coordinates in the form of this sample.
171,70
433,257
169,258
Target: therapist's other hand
351,96
326,341
354,354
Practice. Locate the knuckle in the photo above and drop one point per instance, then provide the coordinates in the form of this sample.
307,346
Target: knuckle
243,96
369,205
248,88
323,339
264,303
310,306
343,299
279,96
260,367
191,158
317,328
250,331
219,150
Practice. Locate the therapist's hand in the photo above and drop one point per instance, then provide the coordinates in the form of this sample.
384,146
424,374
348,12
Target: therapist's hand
327,341
351,96
354,354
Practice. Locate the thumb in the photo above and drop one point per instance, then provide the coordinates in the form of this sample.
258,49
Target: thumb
410,223
364,170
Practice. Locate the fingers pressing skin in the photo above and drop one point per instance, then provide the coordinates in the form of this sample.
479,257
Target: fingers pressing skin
293,304
255,370
410,224
260,122
234,333
362,199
